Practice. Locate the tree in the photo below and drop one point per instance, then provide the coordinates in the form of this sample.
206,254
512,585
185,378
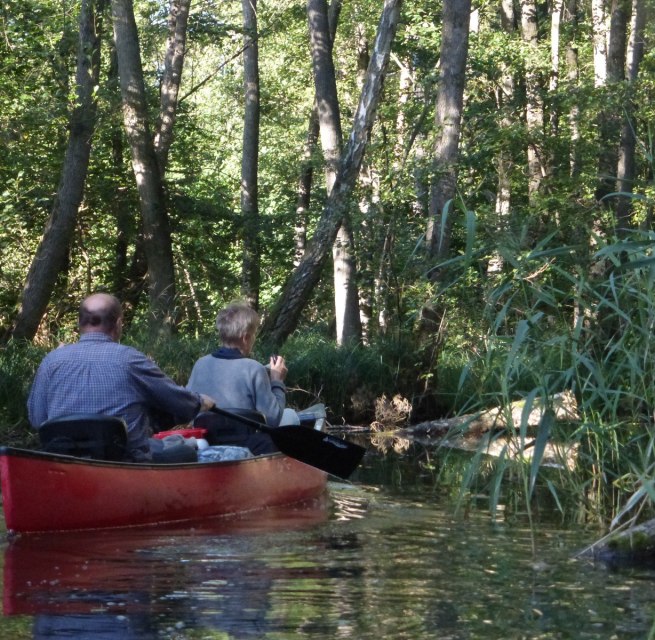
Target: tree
450,101
626,165
534,107
129,275
573,78
609,120
157,238
304,188
52,252
504,100
170,84
284,315
130,278
250,157
555,27
306,175
329,117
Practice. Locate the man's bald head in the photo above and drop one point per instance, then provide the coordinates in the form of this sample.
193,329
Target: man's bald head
101,312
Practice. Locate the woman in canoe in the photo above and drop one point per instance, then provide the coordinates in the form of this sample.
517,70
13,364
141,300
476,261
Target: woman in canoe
234,379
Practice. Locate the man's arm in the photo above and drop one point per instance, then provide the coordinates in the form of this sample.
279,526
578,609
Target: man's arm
161,392
37,402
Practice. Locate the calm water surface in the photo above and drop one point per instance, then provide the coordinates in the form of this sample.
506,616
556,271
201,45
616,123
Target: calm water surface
383,557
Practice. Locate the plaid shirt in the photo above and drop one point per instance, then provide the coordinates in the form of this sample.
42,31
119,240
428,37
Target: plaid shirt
98,375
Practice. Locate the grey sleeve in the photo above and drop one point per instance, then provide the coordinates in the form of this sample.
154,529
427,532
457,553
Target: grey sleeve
270,397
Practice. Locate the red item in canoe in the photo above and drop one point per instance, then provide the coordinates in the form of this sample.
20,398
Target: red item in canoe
187,433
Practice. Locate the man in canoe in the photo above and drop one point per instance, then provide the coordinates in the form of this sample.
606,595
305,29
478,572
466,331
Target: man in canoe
98,375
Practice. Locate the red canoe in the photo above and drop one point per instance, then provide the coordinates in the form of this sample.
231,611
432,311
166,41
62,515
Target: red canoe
50,492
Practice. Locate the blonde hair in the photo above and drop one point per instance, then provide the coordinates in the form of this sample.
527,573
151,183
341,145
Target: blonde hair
235,321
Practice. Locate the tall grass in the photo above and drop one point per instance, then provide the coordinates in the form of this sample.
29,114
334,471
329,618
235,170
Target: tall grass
567,318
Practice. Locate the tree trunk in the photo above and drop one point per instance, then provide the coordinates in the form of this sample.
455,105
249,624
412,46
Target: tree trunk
157,245
285,313
327,100
504,100
609,118
130,279
450,102
118,205
304,190
250,275
534,108
53,249
170,84
599,26
626,165
346,291
373,221
346,299
307,165
573,75
553,85
616,52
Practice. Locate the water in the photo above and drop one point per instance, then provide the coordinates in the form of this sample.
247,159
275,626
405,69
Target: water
385,557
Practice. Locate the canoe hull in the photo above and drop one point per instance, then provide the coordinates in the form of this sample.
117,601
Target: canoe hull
49,492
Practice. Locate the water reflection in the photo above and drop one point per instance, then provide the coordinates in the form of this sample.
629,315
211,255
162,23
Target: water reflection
382,558
136,583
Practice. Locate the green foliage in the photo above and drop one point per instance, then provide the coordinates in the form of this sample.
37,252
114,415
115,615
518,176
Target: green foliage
18,362
347,379
570,309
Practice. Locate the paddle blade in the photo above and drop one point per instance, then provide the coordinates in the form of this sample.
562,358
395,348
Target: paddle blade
315,448
335,456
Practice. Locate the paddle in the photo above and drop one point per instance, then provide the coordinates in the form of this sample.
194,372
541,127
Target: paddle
321,450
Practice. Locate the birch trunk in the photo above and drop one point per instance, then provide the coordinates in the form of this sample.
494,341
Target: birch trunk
285,313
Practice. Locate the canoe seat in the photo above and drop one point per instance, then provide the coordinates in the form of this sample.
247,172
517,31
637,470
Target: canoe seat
92,436
225,431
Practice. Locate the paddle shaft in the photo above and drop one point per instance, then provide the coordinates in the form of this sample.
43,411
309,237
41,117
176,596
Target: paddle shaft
330,454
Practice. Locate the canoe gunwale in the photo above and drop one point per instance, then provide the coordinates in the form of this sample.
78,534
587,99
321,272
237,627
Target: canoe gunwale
64,459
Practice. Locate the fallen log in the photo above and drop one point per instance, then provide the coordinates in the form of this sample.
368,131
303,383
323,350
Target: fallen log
635,544
487,431
562,455
563,406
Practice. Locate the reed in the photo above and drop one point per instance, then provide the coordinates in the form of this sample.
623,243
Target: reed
567,318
